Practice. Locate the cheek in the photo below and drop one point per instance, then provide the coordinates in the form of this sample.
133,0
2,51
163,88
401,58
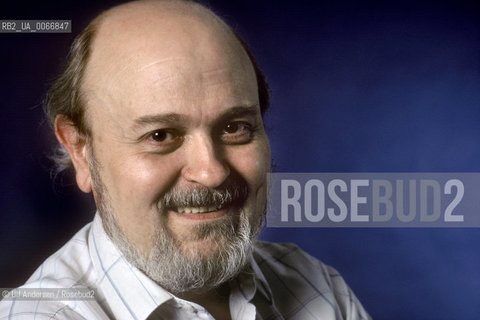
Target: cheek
135,185
253,164
140,180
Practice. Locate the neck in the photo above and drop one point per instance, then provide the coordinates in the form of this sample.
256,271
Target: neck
216,300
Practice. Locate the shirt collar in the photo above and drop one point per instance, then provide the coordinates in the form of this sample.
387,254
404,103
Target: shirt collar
251,280
260,281
127,291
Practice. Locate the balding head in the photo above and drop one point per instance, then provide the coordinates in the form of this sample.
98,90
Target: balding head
121,35
129,35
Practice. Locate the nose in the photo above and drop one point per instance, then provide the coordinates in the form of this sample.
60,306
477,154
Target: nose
204,163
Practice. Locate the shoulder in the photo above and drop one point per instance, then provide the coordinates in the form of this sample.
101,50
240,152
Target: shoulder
278,250
302,285
68,269
287,260
285,255
71,265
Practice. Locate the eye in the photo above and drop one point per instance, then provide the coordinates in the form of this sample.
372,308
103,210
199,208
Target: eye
162,136
235,127
163,140
237,132
165,137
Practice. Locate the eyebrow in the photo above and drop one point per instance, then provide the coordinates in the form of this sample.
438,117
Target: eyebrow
167,118
239,111
175,118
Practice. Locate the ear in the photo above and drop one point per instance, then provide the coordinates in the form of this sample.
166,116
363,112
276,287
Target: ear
75,143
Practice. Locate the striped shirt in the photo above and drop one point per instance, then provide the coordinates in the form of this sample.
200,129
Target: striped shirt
284,283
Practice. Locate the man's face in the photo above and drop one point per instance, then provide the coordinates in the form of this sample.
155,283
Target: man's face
174,112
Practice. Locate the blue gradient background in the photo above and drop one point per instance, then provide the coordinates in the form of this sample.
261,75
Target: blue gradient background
362,86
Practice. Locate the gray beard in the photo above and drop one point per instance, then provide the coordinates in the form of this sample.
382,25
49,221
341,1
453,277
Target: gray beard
167,263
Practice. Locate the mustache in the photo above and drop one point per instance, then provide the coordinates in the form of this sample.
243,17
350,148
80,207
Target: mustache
232,193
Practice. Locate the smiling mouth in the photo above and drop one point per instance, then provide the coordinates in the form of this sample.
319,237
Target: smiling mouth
201,213
192,210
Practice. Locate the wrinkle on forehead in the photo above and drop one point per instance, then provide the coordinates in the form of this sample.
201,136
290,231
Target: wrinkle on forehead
156,63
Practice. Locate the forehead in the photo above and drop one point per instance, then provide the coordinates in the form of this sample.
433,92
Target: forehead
164,52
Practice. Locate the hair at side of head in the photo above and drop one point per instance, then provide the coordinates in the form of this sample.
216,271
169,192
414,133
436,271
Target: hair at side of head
65,96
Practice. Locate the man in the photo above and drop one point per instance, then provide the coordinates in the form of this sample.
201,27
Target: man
160,110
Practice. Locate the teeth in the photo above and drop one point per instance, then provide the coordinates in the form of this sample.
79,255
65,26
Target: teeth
196,209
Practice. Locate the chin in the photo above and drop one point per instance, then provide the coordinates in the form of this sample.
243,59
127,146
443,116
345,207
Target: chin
205,248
